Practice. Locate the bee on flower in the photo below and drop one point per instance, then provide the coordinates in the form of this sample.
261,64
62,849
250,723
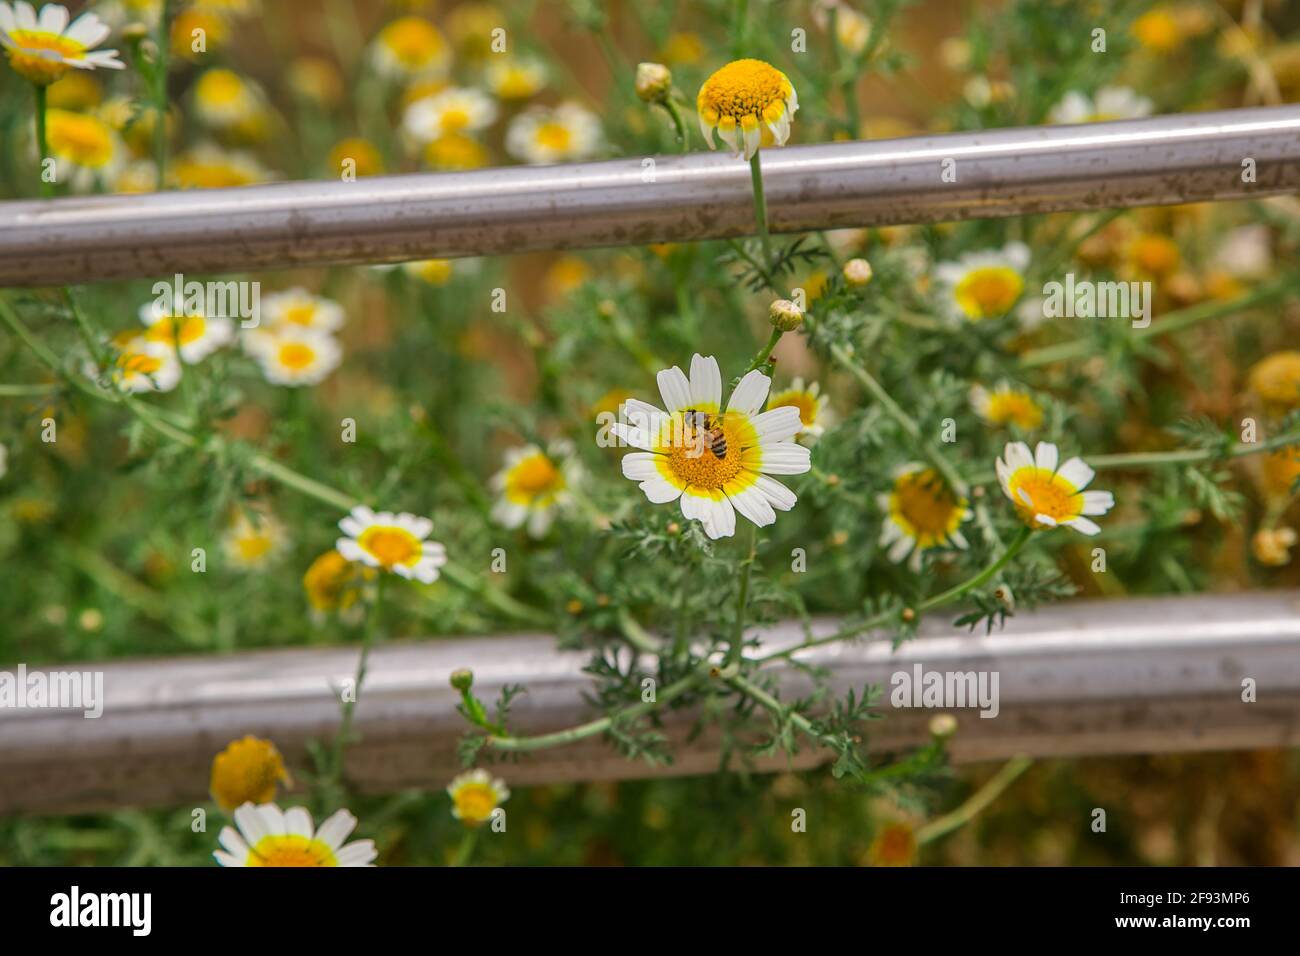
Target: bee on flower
1045,495
247,771
186,329
515,79
1006,405
541,134
410,48
1108,103
983,285
44,48
475,796
814,407
265,835
715,461
534,485
457,110
924,514
85,149
253,540
392,542
294,356
741,99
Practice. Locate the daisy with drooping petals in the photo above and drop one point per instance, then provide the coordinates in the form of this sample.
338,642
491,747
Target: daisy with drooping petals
295,356
42,49
475,795
1109,103
534,485
392,542
410,48
269,836
717,462
85,149
458,110
1046,495
247,771
741,99
542,135
814,413
983,285
1006,405
187,330
924,514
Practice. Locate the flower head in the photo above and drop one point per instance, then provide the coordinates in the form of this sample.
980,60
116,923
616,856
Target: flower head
333,583
223,98
298,308
247,771
410,48
533,485
716,461
515,79
294,356
654,82
185,329
143,366
1272,546
253,540
210,167
814,414
1109,103
456,110
84,147
475,795
269,836
42,49
983,285
743,97
1275,380
544,135
392,542
456,151
923,514
1006,405
1046,495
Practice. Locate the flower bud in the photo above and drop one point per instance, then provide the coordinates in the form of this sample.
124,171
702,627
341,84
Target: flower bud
943,725
857,273
653,82
462,679
785,315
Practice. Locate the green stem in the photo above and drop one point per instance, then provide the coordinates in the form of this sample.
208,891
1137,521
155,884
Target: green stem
742,597
765,352
344,735
42,144
163,43
976,803
467,844
679,125
760,207
750,689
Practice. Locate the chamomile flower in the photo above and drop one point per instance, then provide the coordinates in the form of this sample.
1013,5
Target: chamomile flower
1275,379
1109,103
923,514
475,794
223,98
983,285
187,330
813,406
456,151
210,167
295,356
742,98
253,540
434,272
457,110
43,48
333,583
392,542
515,79
297,307
269,836
533,485
410,48
85,149
247,771
716,462
1046,495
1006,405
144,366
545,135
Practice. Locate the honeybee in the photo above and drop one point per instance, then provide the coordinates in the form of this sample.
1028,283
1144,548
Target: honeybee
715,439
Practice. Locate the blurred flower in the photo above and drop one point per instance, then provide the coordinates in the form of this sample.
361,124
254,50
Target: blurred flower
813,406
410,47
894,845
471,26
567,273
1046,496
857,273
1109,103
653,83
456,151
683,49
333,583
981,91
223,99
209,167
743,97
138,176
515,79
544,135
1246,252
533,486
983,285
77,90
392,542
456,110
715,462
85,148
143,366
923,514
475,794
1272,546
294,356
1275,380
435,272
1158,30
120,13
44,48
316,79
253,540
298,307
1151,255
185,329
363,154
247,771
197,32
1006,405
1279,471
269,836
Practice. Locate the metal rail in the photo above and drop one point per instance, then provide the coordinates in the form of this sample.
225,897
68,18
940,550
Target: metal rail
1166,159
1110,677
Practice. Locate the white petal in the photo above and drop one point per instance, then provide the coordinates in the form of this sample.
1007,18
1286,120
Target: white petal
660,490
902,547
1046,456
1097,502
675,388
1077,473
750,393
778,495
251,823
777,424
753,504
298,821
1085,525
88,30
706,382
53,18
1017,455
785,458
716,514
753,138
336,829
360,853
707,130
640,466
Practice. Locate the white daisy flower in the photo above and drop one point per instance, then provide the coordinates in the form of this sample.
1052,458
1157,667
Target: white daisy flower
813,406
544,135
223,98
298,307
515,78
533,486
85,149
1006,404
1046,496
269,836
1109,103
44,48
983,285
475,795
187,330
253,540
392,542
717,462
410,48
142,366
294,356
923,514
458,110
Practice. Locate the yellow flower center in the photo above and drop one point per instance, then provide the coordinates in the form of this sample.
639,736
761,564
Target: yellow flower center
989,291
330,582
1158,30
296,356
219,88
1154,255
412,41
391,545
1014,407
247,771
709,453
254,545
80,139
744,89
433,271
924,505
197,174
516,83
37,55
302,314
553,135
166,329
138,363
534,477
292,850
455,151
476,801
455,118
1048,494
